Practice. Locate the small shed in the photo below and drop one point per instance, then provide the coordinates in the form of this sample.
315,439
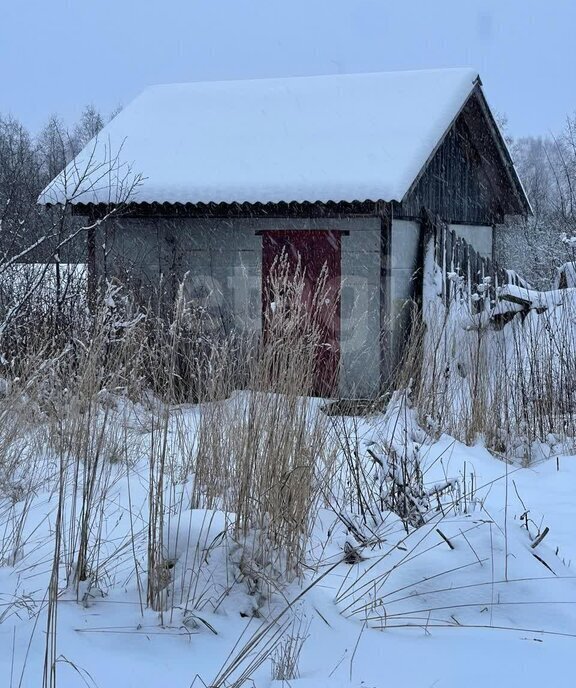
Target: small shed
337,169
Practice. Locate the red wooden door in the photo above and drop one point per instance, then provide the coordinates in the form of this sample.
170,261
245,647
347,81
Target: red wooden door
318,255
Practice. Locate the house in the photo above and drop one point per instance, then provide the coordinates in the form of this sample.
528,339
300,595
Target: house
337,169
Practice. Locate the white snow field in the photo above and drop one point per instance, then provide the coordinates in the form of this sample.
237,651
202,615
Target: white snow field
473,597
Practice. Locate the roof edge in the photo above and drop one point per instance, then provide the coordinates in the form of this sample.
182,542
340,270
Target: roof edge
366,207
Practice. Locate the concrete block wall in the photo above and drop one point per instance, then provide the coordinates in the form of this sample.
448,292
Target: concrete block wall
403,264
480,237
221,259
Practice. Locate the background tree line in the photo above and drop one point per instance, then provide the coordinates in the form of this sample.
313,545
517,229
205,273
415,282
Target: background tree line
536,246
27,164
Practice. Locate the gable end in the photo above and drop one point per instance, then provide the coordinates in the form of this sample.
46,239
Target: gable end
470,177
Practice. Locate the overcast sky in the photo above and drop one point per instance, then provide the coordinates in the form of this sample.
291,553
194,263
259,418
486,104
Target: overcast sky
58,55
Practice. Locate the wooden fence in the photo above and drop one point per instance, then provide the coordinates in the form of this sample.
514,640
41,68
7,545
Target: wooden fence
463,269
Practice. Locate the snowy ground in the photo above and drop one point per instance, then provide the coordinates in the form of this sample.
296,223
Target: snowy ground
462,600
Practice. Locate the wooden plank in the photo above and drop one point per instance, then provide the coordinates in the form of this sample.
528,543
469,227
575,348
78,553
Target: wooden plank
385,296
450,262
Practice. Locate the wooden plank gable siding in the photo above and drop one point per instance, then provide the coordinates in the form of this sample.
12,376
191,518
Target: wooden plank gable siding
465,181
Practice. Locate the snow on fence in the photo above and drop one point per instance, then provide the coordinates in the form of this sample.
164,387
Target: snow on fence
457,259
498,358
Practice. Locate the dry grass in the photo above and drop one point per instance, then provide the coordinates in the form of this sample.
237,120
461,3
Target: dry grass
258,452
510,385
255,451
286,656
252,444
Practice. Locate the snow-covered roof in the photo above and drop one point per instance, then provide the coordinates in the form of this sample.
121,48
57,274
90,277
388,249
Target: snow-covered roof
324,138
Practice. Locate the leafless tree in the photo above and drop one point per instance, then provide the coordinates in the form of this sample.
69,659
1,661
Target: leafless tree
90,125
547,166
36,244
563,164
